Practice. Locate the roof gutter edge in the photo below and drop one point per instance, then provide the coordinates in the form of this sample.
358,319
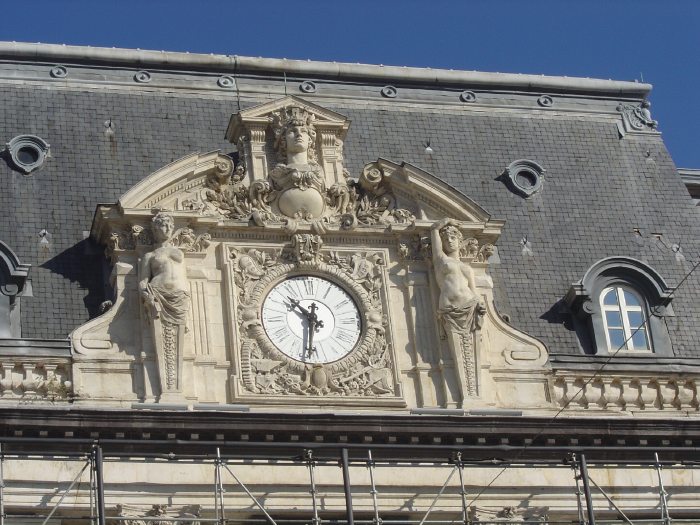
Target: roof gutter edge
335,70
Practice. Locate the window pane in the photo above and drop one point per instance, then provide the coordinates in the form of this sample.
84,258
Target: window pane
639,339
610,298
635,318
617,338
614,319
631,299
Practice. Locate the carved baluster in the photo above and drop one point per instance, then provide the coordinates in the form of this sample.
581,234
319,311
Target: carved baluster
559,391
612,394
649,394
29,382
686,394
667,394
631,393
6,381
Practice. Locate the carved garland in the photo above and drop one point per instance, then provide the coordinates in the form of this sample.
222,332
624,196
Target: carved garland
366,371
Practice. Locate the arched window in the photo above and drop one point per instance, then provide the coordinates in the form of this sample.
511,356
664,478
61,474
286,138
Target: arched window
625,319
621,304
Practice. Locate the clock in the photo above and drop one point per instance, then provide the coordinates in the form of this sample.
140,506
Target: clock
311,319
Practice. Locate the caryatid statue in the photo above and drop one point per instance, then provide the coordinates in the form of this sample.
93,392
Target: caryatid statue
298,177
459,307
164,290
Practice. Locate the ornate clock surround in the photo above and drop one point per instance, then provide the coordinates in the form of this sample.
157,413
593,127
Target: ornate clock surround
368,371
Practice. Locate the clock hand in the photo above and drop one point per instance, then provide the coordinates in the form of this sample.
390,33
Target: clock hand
315,324
295,304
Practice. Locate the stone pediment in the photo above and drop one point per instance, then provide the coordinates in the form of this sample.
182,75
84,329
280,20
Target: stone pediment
258,117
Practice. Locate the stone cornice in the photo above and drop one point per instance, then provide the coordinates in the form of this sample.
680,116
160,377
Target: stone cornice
21,51
279,433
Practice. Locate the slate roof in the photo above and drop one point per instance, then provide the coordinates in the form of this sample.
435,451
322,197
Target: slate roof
598,187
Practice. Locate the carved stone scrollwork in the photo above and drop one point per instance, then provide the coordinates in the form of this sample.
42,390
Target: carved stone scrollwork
366,371
637,117
367,201
135,515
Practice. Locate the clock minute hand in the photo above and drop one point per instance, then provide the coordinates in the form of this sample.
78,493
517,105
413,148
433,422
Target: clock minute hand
315,324
295,304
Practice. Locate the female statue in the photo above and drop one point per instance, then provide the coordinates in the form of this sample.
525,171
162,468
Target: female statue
164,290
459,303
459,306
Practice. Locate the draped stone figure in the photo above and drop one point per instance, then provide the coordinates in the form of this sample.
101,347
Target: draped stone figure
459,308
164,290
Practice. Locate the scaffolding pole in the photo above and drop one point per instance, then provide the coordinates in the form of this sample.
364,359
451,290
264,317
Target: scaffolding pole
93,491
311,463
663,495
373,491
587,490
99,481
346,485
65,493
618,509
577,478
250,494
437,497
2,488
219,495
462,492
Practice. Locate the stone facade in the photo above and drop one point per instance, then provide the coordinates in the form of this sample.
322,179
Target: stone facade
183,241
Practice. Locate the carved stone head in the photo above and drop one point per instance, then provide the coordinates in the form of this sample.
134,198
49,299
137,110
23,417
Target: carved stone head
163,226
295,132
451,239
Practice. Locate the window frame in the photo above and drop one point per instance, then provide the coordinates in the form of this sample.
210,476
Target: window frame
585,298
624,309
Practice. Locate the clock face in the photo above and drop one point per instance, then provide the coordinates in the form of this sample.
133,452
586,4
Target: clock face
311,319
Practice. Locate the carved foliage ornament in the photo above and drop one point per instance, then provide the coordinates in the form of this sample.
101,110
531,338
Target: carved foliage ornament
129,239
295,186
365,371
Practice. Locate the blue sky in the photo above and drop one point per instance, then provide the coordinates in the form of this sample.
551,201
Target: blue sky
657,41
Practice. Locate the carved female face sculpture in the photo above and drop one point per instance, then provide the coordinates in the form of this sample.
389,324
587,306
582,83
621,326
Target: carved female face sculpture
295,133
451,239
163,227
297,138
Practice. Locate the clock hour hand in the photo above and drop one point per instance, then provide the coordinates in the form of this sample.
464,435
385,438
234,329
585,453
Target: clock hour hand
315,324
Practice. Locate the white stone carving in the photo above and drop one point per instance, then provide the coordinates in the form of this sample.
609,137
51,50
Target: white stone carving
420,344
134,515
615,392
30,380
459,307
367,371
165,292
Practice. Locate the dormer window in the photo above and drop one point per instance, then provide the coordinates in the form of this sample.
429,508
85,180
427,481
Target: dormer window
621,304
624,317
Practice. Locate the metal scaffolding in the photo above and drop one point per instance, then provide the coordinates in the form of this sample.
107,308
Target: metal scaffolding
345,457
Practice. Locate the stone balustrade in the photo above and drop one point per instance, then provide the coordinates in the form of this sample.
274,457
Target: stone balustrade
35,370
625,392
